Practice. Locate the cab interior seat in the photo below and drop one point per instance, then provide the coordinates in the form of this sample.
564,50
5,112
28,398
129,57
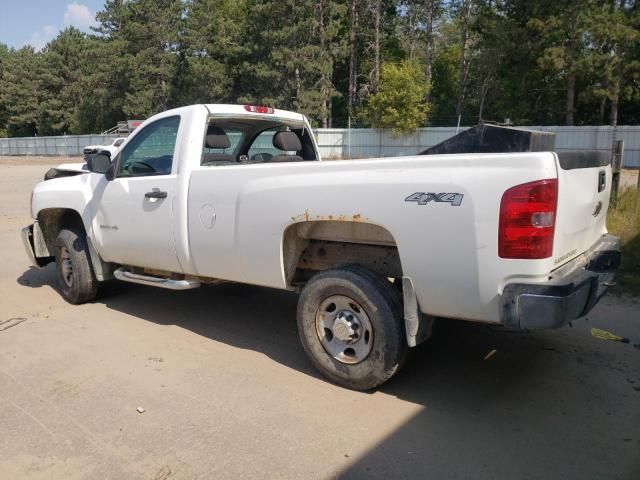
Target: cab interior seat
217,139
287,141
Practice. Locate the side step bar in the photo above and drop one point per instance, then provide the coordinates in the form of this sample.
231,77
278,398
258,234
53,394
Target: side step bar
127,276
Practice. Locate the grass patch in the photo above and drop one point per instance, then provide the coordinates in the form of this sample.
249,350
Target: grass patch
624,222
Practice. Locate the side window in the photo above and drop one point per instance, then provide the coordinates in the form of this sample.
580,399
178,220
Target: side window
262,149
150,152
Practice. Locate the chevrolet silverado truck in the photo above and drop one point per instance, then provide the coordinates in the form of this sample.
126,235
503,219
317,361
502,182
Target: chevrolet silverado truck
376,248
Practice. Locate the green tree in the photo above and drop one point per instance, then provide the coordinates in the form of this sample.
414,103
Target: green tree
399,104
542,62
4,54
105,81
62,70
443,93
615,56
20,91
562,28
149,31
214,47
292,63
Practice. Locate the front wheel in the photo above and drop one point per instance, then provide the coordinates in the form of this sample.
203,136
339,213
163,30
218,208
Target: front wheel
78,283
350,325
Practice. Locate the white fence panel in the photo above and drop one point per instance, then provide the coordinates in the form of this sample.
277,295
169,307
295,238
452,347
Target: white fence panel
67,145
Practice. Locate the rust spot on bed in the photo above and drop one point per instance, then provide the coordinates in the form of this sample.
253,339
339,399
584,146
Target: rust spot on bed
306,216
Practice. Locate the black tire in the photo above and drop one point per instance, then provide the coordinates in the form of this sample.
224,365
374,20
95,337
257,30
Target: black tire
76,278
382,307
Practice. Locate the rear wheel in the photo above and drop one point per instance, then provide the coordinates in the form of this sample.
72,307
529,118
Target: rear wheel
350,324
77,281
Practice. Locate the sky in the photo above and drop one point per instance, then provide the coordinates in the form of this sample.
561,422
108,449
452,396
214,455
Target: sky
36,22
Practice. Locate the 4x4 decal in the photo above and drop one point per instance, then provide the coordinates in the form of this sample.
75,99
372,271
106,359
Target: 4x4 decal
454,199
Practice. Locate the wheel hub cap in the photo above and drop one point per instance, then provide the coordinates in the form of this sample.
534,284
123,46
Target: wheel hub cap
344,329
66,266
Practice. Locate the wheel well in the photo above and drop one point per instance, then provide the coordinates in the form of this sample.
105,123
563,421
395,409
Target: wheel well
312,246
52,220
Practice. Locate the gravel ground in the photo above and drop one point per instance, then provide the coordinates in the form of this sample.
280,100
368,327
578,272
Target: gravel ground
228,393
27,161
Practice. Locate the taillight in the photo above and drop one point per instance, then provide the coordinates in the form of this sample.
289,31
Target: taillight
258,109
527,220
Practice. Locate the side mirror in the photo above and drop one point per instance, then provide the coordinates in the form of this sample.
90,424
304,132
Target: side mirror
99,163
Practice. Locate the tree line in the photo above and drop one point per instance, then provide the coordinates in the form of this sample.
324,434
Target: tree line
381,63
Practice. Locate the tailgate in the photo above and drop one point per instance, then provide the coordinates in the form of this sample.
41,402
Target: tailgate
584,183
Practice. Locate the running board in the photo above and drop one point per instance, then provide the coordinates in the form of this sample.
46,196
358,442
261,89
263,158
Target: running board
127,276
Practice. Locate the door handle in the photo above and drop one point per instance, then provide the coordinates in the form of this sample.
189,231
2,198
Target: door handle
156,193
602,181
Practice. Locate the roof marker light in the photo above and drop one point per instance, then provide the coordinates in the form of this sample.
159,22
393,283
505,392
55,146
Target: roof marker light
258,109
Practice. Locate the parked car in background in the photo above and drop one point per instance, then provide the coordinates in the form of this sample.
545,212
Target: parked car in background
72,169
110,149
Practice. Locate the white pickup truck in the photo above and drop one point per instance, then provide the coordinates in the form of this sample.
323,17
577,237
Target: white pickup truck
377,248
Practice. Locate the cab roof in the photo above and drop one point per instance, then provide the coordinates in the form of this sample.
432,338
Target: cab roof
232,109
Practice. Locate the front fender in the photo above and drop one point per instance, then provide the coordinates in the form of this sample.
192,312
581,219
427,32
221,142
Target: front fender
67,193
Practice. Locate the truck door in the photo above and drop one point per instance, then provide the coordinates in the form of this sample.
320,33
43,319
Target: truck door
133,212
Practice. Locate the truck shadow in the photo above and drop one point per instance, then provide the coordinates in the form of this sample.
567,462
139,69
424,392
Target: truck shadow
264,320
40,277
494,403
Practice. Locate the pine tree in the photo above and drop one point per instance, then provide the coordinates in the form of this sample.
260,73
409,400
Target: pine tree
542,62
214,47
63,68
20,91
293,61
4,55
149,31
615,32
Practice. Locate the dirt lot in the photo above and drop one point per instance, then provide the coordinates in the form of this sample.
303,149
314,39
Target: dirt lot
228,392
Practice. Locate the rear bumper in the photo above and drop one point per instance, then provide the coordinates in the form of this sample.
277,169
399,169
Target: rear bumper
570,293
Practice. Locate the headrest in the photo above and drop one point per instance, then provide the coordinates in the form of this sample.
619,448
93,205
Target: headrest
287,141
217,138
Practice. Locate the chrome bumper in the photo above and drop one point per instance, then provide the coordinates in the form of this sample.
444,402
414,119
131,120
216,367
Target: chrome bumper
571,293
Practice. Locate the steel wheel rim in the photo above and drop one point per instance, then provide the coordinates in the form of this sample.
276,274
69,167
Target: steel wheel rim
66,267
344,329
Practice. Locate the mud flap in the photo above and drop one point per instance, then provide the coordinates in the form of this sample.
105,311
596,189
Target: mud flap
417,324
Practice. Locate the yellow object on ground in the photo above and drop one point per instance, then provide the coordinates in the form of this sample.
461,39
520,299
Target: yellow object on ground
604,335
